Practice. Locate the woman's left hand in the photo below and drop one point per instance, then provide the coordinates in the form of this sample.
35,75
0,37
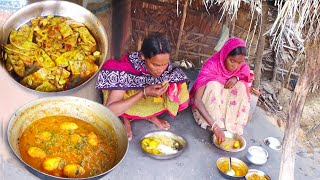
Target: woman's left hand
231,82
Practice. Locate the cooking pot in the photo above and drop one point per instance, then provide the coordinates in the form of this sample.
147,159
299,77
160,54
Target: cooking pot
57,8
94,113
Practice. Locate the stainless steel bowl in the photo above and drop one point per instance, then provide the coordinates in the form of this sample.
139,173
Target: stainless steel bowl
272,143
242,142
256,172
94,113
257,155
240,168
57,8
182,144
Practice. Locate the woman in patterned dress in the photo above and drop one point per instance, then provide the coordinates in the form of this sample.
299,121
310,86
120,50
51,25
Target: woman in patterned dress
144,84
220,94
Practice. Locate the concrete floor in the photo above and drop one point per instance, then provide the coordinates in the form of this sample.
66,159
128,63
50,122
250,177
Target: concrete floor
197,162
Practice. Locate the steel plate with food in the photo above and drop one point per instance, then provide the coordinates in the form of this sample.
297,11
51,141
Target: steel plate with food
232,142
239,167
163,145
254,174
67,137
52,50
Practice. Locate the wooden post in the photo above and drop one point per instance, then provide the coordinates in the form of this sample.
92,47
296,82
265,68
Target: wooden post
139,43
183,19
260,48
309,75
121,27
232,27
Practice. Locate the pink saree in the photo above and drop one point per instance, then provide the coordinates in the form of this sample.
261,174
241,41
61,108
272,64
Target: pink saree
228,107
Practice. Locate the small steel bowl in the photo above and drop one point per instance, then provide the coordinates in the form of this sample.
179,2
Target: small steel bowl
257,155
272,143
233,136
253,172
180,140
240,168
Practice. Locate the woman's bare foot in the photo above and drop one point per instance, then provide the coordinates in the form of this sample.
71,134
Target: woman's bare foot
161,123
127,126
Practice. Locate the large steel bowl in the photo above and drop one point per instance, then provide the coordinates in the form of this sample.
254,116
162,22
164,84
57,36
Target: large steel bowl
233,136
94,113
57,8
240,168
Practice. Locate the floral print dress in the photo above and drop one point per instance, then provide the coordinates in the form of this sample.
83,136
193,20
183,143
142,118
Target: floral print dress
228,107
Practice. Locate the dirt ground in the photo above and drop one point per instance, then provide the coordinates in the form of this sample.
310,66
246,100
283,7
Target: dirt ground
309,133
310,123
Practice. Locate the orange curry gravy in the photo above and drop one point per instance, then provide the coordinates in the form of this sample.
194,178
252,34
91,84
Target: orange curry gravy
66,147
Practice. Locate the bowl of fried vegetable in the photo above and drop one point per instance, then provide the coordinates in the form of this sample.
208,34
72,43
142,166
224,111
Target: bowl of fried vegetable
163,145
254,174
53,46
232,143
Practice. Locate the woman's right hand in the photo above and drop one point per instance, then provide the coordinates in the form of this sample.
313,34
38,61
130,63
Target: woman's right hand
156,90
219,134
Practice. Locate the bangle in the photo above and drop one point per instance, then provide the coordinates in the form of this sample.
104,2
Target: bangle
213,127
144,92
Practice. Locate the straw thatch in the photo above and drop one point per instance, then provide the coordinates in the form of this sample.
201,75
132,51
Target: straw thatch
195,34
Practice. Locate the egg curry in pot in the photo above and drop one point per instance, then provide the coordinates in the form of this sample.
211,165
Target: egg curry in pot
64,146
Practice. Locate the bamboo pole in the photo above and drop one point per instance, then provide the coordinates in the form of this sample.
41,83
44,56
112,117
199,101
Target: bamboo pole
261,44
184,15
232,27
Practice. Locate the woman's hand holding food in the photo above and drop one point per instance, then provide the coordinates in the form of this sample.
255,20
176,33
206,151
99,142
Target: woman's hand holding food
231,82
218,133
156,90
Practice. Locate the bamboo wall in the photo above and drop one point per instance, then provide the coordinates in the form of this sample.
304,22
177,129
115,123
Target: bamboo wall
201,31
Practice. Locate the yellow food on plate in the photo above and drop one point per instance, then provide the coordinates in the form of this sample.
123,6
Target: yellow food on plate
69,126
227,147
236,144
36,152
73,170
229,144
51,164
160,145
44,136
76,138
92,139
256,177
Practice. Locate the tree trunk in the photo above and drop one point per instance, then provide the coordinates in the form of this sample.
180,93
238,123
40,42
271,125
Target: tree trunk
309,75
183,19
261,44
121,27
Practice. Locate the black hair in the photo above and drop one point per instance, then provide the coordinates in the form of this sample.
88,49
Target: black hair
154,44
238,51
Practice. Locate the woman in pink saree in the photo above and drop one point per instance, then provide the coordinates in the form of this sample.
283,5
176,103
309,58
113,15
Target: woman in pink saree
220,94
